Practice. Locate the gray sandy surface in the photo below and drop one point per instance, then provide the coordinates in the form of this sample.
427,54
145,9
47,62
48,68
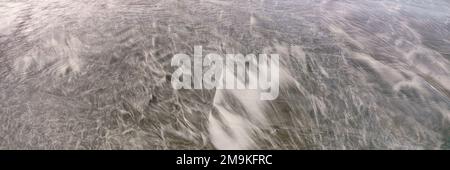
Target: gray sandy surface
87,74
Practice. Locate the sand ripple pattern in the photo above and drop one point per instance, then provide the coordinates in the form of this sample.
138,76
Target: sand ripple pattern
86,74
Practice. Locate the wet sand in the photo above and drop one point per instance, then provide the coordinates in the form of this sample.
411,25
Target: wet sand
86,74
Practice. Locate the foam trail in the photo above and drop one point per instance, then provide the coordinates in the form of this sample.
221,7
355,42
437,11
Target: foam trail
240,116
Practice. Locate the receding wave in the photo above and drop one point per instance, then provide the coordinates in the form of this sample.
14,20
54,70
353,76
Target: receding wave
86,74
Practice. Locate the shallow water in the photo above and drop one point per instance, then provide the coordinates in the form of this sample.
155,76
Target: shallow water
86,74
